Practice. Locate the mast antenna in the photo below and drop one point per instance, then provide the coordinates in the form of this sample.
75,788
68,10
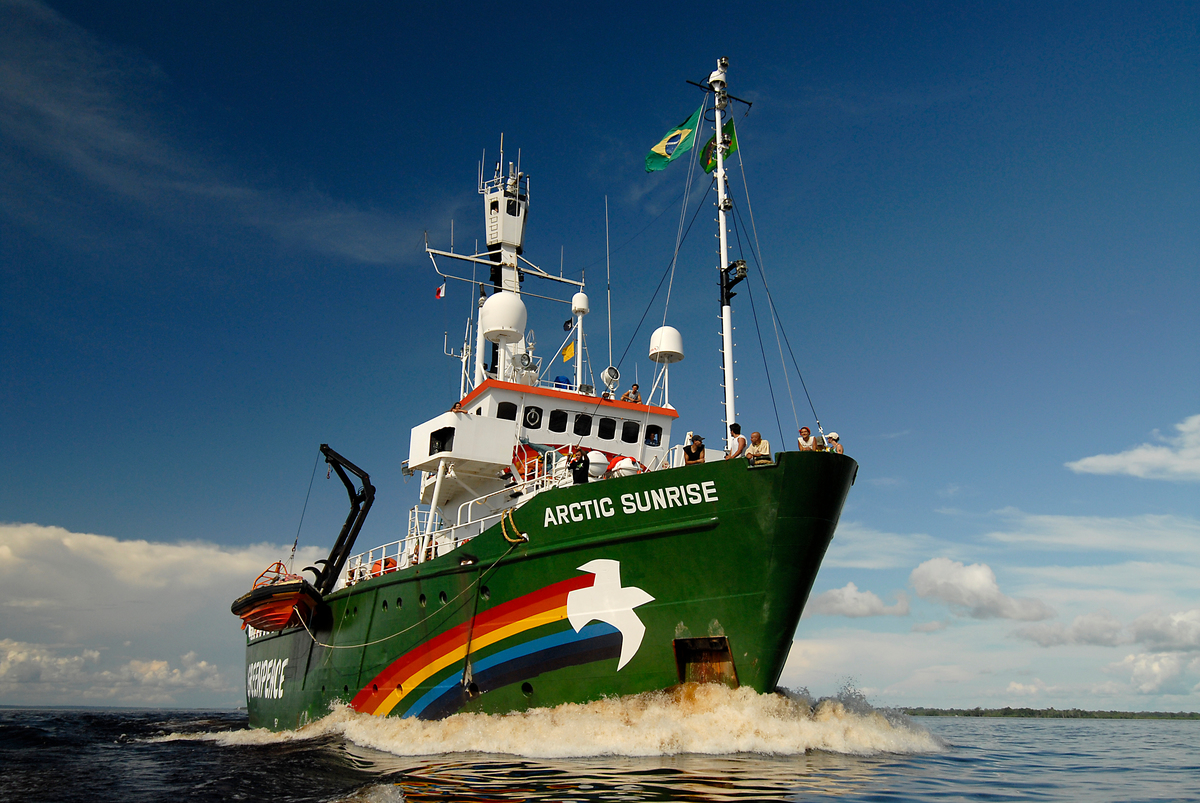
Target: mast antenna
730,274
608,278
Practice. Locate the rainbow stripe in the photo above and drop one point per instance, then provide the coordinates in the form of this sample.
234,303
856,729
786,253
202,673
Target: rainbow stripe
398,684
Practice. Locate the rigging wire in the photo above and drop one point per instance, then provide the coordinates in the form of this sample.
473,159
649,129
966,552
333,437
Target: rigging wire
660,283
762,272
478,580
679,233
779,330
762,350
766,369
292,559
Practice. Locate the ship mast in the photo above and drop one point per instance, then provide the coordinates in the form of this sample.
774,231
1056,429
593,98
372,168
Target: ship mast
733,273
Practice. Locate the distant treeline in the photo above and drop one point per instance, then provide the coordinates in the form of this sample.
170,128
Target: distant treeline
1048,713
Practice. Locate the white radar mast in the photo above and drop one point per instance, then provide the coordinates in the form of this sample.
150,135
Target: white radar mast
731,273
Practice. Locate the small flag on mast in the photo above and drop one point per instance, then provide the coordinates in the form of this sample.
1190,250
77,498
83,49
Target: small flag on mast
569,351
708,156
676,143
441,291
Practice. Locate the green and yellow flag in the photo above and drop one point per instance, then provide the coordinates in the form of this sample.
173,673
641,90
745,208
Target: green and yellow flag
677,142
708,156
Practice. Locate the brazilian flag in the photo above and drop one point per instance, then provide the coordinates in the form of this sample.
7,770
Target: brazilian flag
708,156
677,142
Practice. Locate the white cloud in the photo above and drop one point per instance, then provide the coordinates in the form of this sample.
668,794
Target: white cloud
1096,629
1029,689
1175,458
973,591
849,601
1154,673
69,100
31,672
82,612
1177,631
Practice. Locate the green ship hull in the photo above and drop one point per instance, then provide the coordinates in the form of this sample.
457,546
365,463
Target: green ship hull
603,589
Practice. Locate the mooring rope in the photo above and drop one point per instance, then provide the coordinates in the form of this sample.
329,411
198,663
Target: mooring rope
473,584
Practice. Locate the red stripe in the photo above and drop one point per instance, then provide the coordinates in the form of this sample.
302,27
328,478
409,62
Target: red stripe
548,598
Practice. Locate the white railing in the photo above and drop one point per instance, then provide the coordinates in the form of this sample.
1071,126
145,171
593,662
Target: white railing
473,518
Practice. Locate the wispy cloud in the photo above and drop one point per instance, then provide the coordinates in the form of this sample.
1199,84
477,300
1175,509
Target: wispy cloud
972,591
1141,534
851,602
1096,629
1176,458
858,547
71,103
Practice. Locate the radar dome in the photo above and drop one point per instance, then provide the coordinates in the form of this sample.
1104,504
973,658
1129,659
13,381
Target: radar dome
503,318
579,304
666,345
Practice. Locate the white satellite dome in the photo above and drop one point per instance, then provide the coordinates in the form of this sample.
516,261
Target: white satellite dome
666,345
503,318
579,304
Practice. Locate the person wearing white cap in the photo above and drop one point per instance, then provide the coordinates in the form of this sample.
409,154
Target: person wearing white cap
833,443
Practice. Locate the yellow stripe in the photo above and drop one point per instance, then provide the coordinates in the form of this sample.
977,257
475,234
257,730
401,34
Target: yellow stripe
411,682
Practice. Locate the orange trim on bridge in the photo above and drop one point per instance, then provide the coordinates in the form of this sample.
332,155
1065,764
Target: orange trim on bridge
567,396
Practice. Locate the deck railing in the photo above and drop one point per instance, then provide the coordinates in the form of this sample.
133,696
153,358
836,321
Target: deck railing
473,517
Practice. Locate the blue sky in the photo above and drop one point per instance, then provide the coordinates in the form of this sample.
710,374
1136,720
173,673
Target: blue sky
979,226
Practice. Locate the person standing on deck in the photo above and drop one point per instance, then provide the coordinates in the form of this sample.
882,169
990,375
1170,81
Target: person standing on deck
807,442
739,442
579,466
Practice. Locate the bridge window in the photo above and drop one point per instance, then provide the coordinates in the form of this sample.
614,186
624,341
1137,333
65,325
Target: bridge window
629,431
653,435
583,424
507,411
441,440
607,428
558,420
533,418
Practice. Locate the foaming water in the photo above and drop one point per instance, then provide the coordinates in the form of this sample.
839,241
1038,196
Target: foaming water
839,748
708,719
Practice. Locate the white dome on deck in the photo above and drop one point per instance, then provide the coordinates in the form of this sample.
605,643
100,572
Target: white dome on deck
503,318
666,345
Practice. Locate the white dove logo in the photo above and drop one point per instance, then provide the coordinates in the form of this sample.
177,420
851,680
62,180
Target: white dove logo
607,602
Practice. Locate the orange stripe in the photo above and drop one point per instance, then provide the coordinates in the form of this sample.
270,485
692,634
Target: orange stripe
566,395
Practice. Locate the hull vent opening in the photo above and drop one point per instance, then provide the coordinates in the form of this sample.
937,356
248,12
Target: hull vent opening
705,660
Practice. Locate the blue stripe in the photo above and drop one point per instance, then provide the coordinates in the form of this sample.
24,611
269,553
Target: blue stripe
566,637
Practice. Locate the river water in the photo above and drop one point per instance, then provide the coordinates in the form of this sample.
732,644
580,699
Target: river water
702,743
